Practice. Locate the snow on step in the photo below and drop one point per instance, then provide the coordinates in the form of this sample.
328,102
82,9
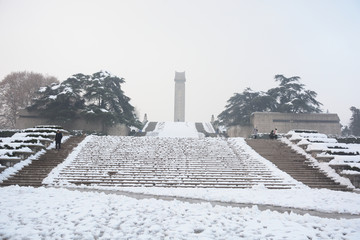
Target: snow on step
166,162
175,129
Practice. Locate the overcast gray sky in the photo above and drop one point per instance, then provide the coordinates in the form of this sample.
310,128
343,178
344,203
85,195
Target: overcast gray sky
224,46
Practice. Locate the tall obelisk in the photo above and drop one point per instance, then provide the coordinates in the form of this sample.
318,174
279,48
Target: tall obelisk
179,108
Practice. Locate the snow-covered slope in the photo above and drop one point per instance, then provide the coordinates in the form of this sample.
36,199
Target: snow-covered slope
175,129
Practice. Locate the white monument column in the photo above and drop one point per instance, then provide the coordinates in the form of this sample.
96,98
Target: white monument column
179,108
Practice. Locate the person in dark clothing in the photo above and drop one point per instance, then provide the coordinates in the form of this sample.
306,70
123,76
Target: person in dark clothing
255,133
273,134
58,138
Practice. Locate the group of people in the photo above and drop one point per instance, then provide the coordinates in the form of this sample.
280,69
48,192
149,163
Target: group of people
272,135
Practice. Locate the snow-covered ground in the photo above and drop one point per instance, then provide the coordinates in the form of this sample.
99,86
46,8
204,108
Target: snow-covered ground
58,213
41,213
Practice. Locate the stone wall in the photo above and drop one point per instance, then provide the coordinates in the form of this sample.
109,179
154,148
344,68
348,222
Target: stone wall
30,119
240,131
322,122
118,130
327,123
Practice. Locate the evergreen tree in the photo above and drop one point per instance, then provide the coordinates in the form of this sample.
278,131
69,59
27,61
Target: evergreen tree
94,97
59,102
240,106
355,121
107,101
289,97
345,131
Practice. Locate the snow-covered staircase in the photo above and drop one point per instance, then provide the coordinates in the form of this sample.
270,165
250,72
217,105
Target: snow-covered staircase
34,173
294,164
166,162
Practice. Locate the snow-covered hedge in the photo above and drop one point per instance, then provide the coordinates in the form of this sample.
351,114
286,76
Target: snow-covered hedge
7,132
348,140
26,142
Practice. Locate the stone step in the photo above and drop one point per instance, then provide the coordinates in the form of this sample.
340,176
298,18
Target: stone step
45,160
308,175
48,165
33,174
197,170
296,165
312,182
177,184
165,177
30,171
158,176
26,180
306,171
28,184
332,187
312,178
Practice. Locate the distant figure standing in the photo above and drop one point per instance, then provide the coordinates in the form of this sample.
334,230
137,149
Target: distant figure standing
255,133
271,135
58,138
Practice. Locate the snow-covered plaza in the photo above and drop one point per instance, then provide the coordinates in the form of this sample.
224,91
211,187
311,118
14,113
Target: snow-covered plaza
49,213
64,210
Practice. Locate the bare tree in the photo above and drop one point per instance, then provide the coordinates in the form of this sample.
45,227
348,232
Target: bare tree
17,90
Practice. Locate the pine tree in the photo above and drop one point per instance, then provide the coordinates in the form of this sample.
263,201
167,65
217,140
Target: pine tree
59,102
94,97
240,106
345,131
355,121
107,101
289,97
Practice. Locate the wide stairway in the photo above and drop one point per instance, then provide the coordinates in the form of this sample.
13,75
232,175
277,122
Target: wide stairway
296,165
166,162
34,173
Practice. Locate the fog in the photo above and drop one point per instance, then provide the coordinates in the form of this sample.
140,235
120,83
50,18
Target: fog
223,46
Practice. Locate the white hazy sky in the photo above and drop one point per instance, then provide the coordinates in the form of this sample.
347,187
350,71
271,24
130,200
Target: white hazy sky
224,46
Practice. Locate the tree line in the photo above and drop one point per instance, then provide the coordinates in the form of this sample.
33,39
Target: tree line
94,97
17,91
99,97
290,96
